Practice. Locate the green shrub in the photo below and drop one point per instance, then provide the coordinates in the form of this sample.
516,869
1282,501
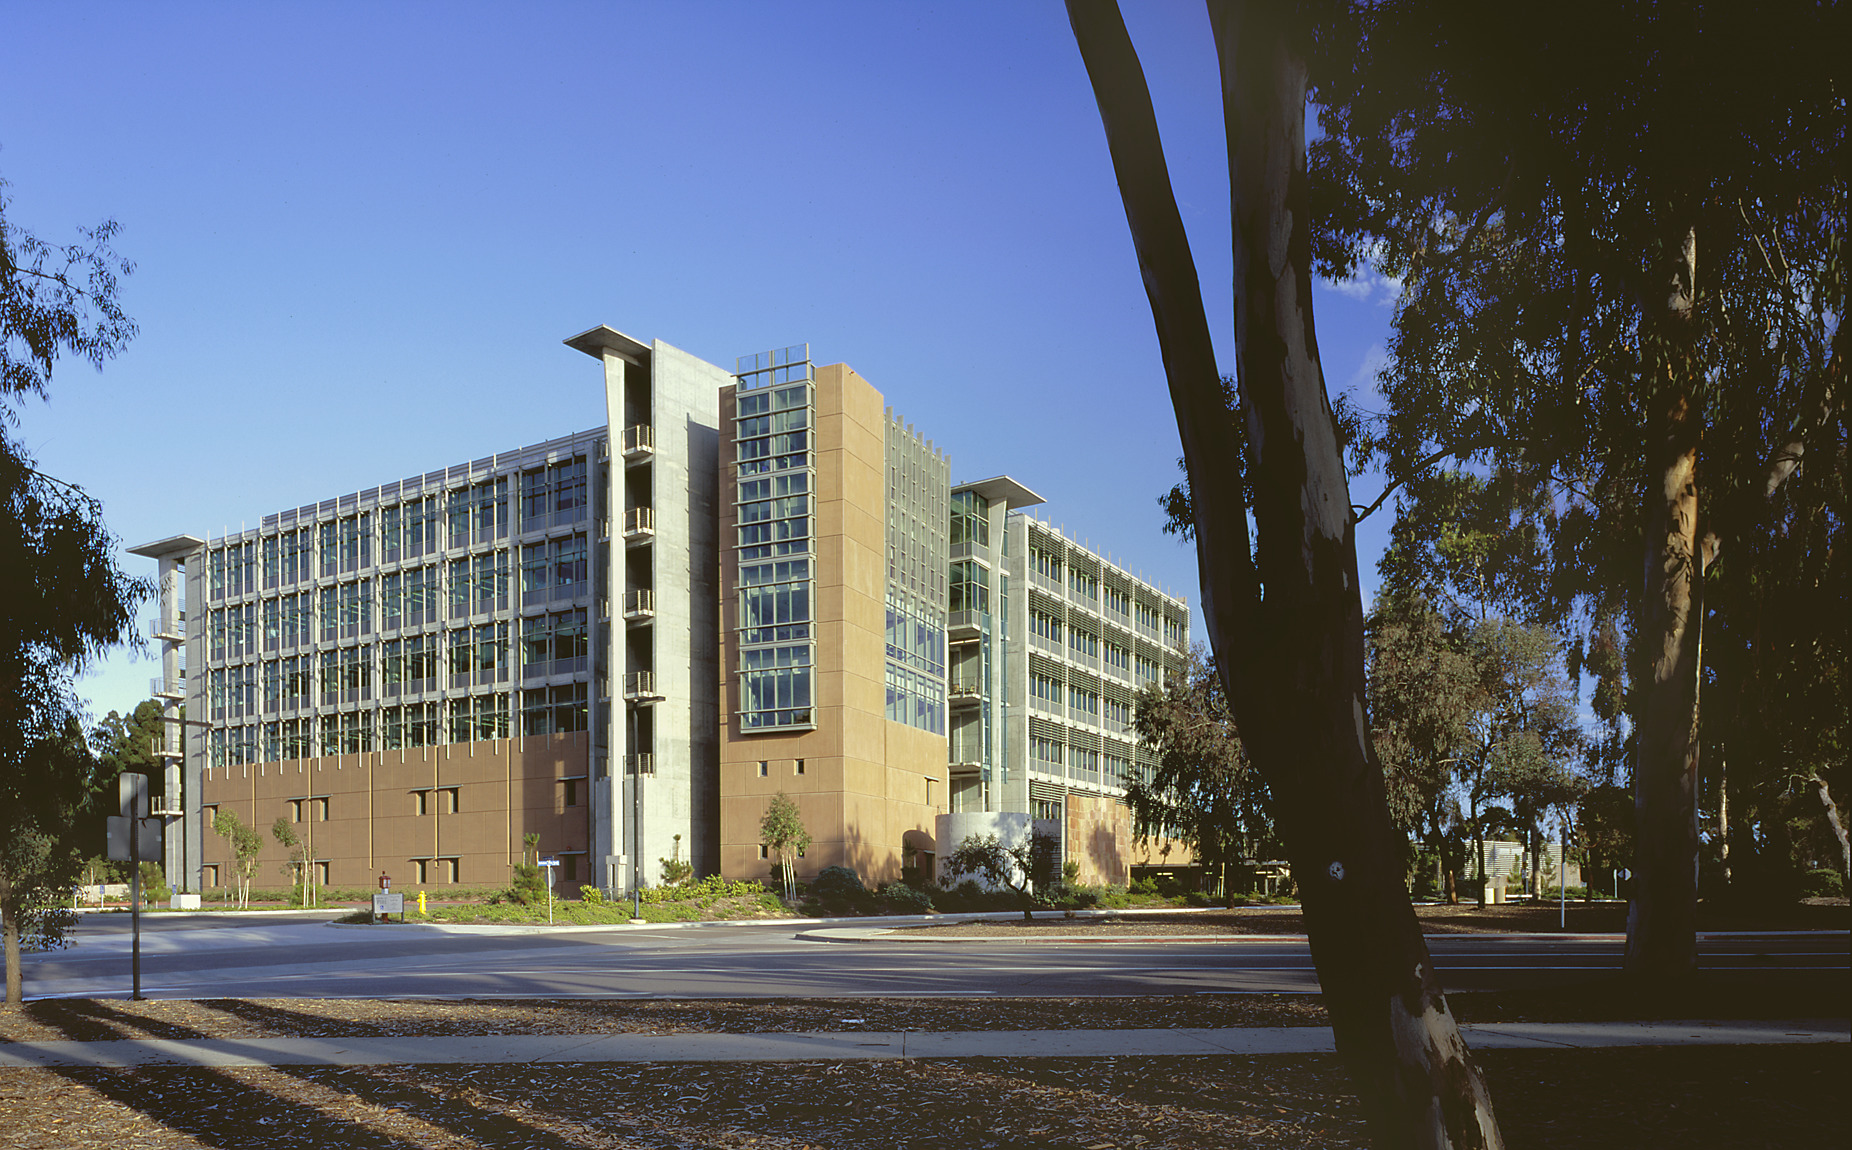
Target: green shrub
1146,886
591,896
900,898
1069,896
154,884
1818,884
838,889
702,893
676,870
529,886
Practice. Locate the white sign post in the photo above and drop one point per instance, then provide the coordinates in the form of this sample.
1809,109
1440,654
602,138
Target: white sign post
548,866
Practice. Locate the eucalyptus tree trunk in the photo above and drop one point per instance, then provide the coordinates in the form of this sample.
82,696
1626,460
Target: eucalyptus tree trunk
1293,662
9,943
1662,936
1818,786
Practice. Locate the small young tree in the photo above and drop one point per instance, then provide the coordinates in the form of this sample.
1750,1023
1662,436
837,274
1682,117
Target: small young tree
675,869
297,868
154,888
529,886
246,844
1010,868
783,831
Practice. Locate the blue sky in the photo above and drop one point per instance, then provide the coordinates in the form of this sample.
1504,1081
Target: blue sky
362,230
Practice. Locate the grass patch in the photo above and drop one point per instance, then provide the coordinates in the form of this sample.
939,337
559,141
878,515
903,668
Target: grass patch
762,905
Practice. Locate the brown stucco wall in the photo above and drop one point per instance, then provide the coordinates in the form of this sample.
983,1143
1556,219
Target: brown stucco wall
864,781
506,788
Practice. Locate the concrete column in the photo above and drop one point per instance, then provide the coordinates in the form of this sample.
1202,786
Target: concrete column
611,812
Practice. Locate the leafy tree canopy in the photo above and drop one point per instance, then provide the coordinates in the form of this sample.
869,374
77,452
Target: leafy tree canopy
1203,791
66,601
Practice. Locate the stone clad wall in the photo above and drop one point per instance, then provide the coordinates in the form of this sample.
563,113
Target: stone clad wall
1099,838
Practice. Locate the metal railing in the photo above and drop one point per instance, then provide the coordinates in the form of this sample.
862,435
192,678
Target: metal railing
639,439
639,522
644,764
164,688
640,686
639,604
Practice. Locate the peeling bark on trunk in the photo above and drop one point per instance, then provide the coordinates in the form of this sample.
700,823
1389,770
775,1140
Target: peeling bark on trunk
1292,663
1838,828
9,942
1662,916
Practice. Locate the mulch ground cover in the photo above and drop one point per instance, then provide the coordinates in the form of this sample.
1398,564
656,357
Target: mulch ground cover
1598,998
1692,1098
1467,918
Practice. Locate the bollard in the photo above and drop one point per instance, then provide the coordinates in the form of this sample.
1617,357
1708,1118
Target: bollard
420,902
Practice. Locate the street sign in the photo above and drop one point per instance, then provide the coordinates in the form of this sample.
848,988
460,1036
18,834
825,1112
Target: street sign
147,830
133,790
387,904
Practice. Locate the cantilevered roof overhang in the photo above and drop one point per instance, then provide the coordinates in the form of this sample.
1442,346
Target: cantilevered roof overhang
601,341
176,545
1002,489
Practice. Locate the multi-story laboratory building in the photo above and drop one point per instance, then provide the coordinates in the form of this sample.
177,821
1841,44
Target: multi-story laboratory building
625,641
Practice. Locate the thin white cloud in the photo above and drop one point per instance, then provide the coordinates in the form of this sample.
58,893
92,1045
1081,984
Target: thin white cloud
1366,286
1363,381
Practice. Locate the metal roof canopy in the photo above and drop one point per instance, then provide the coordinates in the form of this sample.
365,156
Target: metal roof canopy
174,545
1001,489
601,341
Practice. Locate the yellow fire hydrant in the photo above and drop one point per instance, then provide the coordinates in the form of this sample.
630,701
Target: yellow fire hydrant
420,902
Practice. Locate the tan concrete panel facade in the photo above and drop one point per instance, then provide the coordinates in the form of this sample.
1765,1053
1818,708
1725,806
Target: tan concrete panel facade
362,812
1099,838
864,780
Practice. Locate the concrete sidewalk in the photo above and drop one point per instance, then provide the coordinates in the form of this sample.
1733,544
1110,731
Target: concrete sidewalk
837,1046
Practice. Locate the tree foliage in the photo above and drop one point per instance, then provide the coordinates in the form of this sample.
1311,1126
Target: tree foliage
300,860
1003,866
1281,599
1476,723
53,785
1620,231
529,886
245,843
66,601
1203,790
783,831
1422,688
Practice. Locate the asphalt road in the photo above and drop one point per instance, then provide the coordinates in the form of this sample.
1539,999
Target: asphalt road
296,956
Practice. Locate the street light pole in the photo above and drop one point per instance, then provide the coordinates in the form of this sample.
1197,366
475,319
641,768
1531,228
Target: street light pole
636,819
1562,873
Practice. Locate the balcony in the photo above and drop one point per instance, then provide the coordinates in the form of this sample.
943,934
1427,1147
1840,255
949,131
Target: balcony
173,631
639,525
639,606
638,442
644,764
963,626
963,694
640,687
167,688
